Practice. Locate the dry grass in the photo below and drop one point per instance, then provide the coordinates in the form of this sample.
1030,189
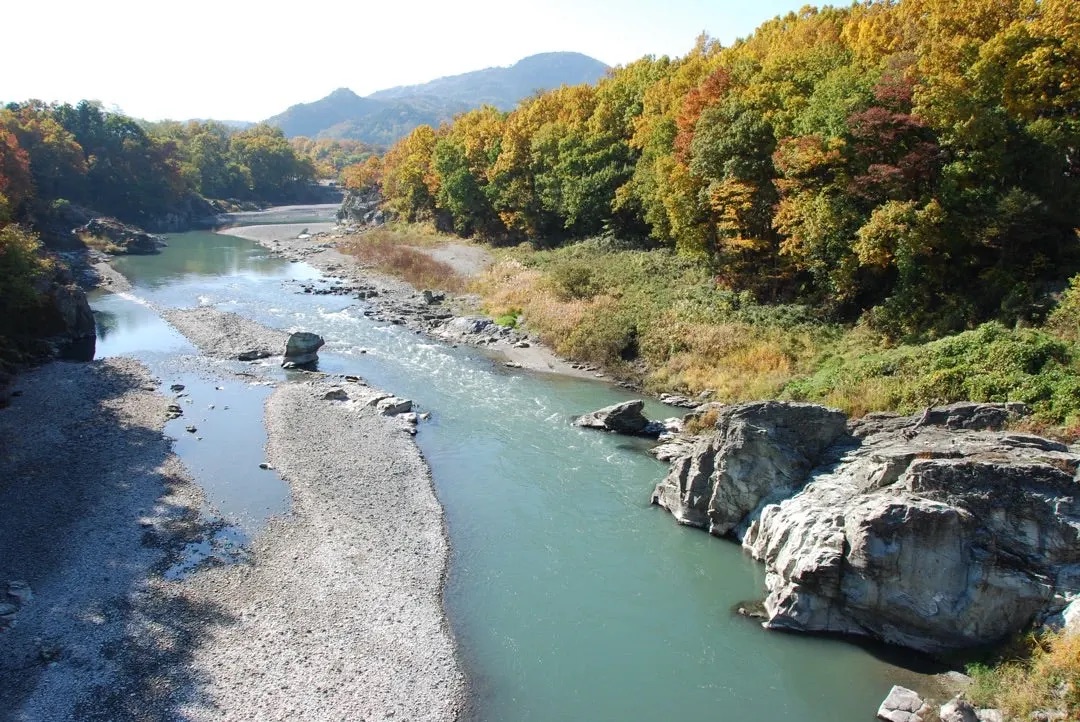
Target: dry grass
100,243
700,423
1049,680
399,254
736,361
508,287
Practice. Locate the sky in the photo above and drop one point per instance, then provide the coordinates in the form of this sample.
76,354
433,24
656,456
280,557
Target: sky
233,60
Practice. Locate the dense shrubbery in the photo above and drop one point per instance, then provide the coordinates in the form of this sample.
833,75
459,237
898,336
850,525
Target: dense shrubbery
595,302
912,164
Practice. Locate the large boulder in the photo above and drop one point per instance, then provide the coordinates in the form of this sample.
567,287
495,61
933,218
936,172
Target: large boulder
113,236
361,207
933,531
903,705
302,349
624,418
759,453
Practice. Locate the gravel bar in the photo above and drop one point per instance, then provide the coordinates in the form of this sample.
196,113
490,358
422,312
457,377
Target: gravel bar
340,614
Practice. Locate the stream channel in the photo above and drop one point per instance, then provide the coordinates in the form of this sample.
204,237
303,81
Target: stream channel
570,597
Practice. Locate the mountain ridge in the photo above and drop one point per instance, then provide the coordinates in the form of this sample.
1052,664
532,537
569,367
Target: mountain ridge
384,116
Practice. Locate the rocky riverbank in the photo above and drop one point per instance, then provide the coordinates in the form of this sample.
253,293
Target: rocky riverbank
451,319
93,505
938,532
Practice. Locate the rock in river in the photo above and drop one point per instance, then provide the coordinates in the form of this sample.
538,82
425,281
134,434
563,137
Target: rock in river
624,418
302,349
932,531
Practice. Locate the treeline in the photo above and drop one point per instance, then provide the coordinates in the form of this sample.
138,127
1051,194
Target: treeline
329,156
912,163
136,171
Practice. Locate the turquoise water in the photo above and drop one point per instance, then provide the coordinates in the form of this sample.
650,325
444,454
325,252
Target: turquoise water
571,598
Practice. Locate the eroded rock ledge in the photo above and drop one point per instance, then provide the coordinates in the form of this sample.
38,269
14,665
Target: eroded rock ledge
937,531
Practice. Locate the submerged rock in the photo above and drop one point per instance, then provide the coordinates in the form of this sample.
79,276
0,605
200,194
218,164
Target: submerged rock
931,531
302,349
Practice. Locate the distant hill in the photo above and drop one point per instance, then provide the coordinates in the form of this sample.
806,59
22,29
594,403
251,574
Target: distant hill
387,115
504,87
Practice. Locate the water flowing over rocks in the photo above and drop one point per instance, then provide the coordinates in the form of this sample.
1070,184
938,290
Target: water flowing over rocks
934,531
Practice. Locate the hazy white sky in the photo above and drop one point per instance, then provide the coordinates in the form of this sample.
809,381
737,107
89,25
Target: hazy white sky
248,60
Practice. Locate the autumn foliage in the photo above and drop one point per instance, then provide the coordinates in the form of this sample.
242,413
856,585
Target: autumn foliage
912,163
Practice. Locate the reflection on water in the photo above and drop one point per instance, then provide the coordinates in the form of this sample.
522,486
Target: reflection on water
570,597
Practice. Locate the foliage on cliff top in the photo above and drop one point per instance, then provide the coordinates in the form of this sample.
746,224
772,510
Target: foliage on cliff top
23,273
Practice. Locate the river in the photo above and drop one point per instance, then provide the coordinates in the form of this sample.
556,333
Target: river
570,597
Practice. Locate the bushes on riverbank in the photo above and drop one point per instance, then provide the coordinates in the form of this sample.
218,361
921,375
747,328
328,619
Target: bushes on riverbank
1048,680
663,319
22,272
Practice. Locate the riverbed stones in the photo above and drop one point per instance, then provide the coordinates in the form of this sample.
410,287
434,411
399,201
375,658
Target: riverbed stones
679,400
302,349
336,394
393,405
929,531
958,710
903,705
624,418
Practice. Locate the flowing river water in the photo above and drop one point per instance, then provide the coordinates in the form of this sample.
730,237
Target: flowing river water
570,597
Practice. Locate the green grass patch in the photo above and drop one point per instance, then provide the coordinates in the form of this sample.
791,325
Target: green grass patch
991,363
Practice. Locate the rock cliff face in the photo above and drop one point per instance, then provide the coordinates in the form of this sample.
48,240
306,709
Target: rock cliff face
121,237
936,532
361,207
760,453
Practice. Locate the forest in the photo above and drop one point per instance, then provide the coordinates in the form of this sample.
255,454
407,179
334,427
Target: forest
56,159
912,164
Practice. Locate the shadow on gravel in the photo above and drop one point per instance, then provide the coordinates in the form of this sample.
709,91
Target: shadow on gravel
159,680
87,514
